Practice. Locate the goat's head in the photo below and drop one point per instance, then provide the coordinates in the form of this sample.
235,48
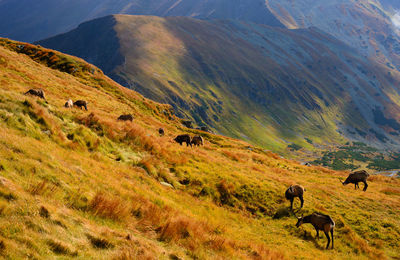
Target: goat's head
343,182
299,221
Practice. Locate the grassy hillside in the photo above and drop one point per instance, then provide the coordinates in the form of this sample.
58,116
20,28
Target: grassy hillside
269,86
77,184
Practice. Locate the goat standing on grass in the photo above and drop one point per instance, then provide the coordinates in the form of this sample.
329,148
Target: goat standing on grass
81,104
295,191
356,177
184,139
197,140
127,117
36,92
320,222
69,104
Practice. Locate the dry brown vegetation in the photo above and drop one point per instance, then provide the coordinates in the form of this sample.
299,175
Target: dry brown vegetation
99,181
108,207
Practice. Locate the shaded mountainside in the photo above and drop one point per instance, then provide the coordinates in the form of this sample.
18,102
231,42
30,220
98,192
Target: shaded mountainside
363,24
76,183
34,20
271,86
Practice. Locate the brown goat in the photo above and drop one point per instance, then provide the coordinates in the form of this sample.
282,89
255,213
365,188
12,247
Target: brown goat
36,92
197,140
293,192
81,104
320,222
127,117
161,131
356,177
183,139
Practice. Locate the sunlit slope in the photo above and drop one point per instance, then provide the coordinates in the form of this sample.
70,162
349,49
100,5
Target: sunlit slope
266,85
76,183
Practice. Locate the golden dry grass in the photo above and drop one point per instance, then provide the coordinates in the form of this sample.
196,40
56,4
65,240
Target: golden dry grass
99,180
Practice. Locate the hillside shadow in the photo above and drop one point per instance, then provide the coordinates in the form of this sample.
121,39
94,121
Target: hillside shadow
312,237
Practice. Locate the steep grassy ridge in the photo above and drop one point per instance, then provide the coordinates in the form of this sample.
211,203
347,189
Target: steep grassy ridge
266,85
80,184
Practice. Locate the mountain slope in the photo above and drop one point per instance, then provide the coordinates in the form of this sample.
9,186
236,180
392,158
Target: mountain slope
34,20
267,85
76,183
365,25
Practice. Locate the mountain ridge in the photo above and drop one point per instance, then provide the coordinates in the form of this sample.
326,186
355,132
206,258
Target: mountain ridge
260,70
45,18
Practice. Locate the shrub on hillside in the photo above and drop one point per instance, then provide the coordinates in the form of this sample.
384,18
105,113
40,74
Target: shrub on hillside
148,163
137,136
226,193
108,207
294,147
93,122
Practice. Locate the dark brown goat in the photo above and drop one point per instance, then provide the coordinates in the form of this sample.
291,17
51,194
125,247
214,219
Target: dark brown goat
127,117
320,222
183,139
81,104
293,192
356,177
197,140
36,92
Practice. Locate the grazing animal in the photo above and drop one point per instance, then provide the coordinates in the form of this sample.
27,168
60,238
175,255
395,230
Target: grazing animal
183,139
127,117
36,92
197,140
161,132
69,103
320,222
356,177
293,192
81,104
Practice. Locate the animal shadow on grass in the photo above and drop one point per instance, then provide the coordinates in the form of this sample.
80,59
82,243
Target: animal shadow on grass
285,212
308,236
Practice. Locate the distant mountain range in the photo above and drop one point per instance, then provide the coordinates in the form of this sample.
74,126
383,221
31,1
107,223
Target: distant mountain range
271,86
30,21
365,25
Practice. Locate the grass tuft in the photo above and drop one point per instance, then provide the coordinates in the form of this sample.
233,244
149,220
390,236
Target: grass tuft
99,242
60,248
108,207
